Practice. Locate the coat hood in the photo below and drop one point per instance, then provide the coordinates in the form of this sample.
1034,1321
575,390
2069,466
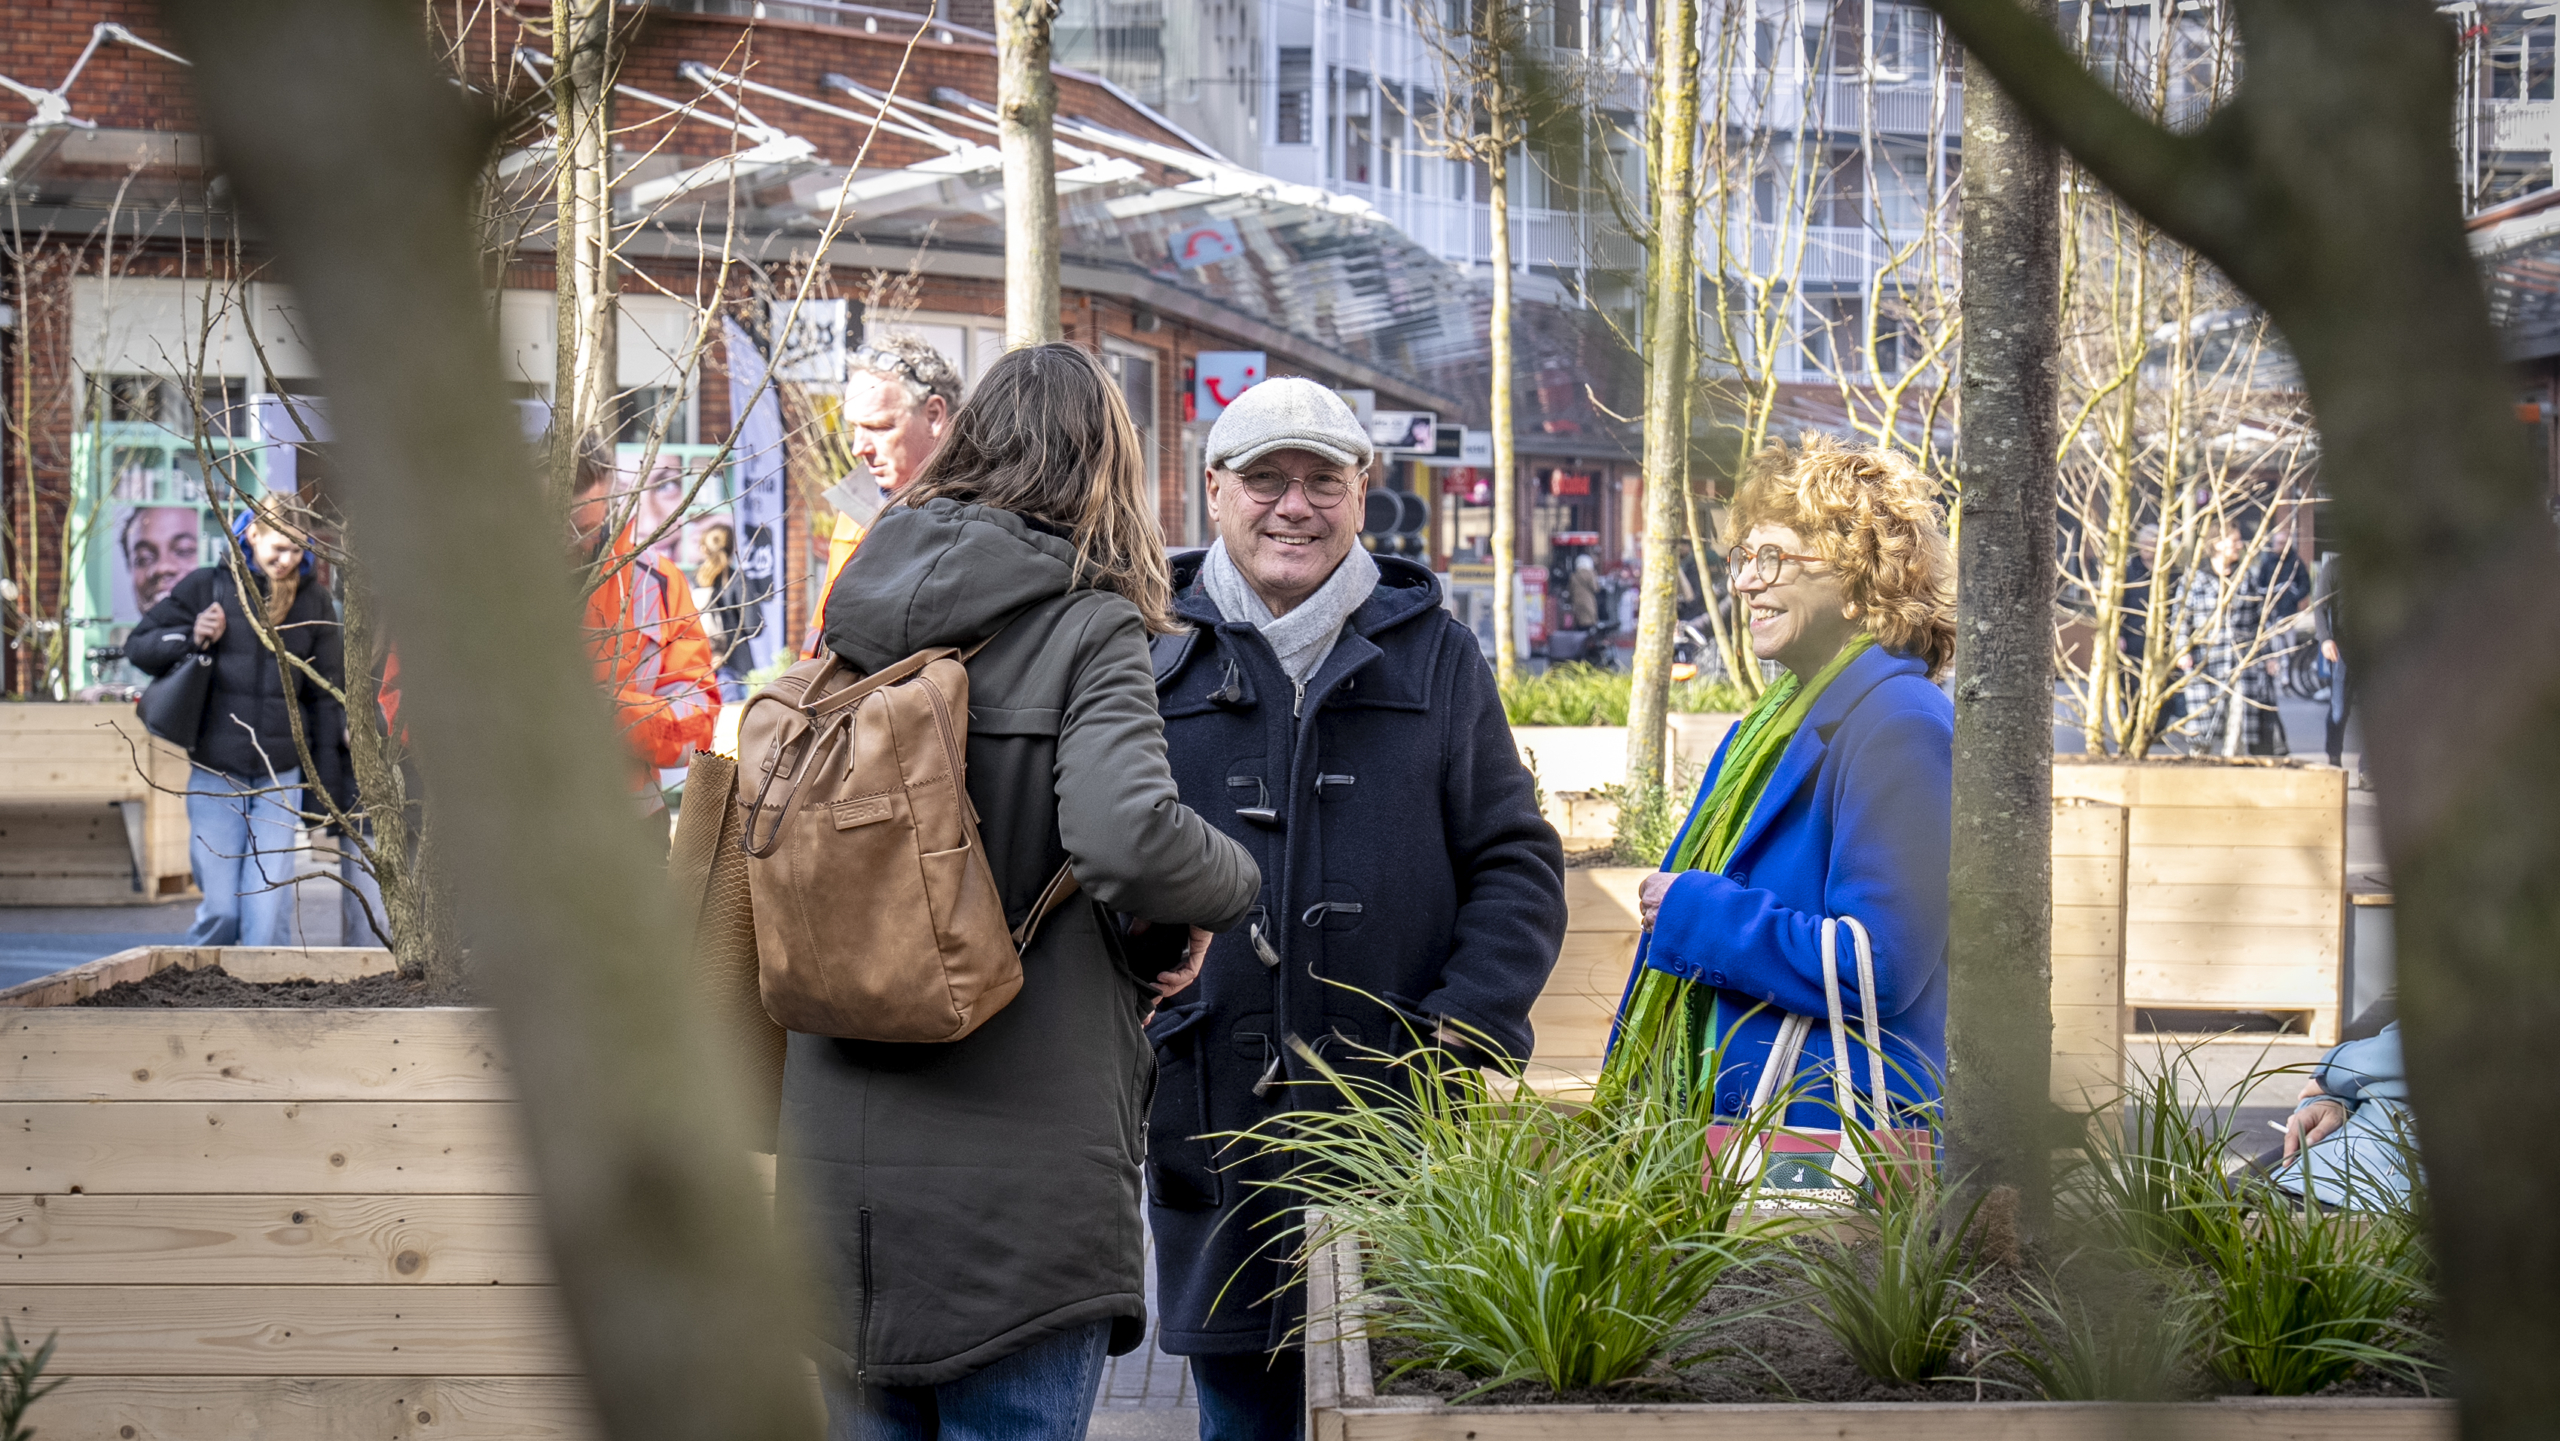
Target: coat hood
942,573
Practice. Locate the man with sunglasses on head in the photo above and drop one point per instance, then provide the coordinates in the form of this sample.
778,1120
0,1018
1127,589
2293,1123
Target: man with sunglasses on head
899,397
1327,711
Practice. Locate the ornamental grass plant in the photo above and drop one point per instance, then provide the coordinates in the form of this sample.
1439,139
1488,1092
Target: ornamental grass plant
1585,695
1508,1238
1902,1303
2139,1340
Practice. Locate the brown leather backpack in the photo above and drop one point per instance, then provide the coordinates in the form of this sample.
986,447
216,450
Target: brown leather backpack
876,916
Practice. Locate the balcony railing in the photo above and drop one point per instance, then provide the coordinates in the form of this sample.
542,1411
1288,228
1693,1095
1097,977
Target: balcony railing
1461,231
1792,100
2517,124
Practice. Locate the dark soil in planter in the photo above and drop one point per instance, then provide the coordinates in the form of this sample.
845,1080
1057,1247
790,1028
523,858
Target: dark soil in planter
214,988
1785,1355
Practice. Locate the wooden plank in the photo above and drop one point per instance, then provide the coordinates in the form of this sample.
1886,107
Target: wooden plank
2239,902
2085,930
2087,981
303,963
2175,783
272,1240
262,1147
2089,880
1602,898
2174,943
2255,1419
2223,865
2087,828
317,1408
297,1330
2320,831
2278,988
422,1054
90,977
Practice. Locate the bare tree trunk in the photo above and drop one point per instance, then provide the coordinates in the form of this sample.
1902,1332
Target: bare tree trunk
1026,120
1667,379
2326,189
2000,881
399,854
1506,472
582,109
355,156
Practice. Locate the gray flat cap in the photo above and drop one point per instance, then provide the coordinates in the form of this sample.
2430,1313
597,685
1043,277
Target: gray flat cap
1287,413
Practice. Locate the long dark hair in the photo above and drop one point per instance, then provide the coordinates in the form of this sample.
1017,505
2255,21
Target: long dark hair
1048,436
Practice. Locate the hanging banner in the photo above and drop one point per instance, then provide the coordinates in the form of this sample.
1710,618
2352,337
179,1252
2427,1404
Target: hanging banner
759,507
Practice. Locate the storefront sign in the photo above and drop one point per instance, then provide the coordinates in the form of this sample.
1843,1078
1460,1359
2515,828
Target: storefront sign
1566,482
1205,244
1219,376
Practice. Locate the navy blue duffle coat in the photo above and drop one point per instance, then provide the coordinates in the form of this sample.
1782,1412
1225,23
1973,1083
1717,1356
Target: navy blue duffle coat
1855,821
1407,879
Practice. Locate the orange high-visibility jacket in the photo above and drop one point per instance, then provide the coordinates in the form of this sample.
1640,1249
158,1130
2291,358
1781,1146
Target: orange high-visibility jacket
653,657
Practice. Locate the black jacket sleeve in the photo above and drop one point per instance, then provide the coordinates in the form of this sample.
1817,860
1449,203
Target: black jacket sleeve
164,634
1510,865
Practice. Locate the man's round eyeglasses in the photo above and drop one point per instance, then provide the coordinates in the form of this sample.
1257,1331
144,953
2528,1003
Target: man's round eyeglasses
1765,564
1324,492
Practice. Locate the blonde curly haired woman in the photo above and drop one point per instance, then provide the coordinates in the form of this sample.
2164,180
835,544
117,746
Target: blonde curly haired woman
1831,798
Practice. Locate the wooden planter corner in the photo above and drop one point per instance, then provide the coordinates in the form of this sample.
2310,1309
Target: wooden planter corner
93,809
287,1225
1343,1404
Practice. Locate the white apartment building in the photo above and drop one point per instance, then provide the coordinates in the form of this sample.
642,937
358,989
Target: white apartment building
1342,94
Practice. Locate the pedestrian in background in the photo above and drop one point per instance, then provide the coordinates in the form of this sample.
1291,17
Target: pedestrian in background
1325,710
899,397
976,1202
650,652
2230,691
244,794
2324,628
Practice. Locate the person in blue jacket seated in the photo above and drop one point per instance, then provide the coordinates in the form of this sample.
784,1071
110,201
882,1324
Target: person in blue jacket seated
1832,798
2349,1143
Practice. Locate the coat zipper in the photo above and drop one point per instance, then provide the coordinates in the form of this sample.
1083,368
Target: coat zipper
862,1342
950,746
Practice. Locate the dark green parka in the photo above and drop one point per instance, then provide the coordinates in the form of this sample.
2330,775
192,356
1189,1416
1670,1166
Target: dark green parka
973,1198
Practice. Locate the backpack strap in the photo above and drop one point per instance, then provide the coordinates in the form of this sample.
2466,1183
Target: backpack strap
1060,887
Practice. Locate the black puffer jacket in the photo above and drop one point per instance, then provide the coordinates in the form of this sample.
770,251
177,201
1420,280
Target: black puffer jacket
246,725
973,1198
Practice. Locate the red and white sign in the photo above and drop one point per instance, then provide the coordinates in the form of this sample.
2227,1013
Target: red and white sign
1206,244
1219,376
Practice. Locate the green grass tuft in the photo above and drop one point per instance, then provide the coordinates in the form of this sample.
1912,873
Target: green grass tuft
1582,695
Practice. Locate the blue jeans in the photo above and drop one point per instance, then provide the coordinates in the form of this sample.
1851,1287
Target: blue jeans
240,845
1257,1396
1043,1392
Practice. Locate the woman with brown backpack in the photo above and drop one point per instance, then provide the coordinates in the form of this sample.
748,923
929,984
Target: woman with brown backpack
976,1200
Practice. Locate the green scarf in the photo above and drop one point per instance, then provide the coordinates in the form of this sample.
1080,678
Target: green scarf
1665,1032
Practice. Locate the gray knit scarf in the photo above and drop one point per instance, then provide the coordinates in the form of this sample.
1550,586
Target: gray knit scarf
1305,636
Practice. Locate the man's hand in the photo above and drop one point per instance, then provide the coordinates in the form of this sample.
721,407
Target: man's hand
209,624
1193,954
2312,1123
2329,651
1649,894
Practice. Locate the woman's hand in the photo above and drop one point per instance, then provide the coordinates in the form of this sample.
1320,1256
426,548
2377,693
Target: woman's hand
209,624
2319,1115
1649,894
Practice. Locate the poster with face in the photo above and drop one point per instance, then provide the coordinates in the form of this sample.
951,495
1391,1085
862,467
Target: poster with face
155,546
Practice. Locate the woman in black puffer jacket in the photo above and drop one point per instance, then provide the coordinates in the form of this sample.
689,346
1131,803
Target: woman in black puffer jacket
244,801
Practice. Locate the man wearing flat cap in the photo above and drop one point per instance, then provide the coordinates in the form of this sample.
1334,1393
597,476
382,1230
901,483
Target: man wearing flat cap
1325,710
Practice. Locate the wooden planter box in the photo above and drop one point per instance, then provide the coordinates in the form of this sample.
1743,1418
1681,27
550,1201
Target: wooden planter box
288,1225
2235,884
1573,1014
93,810
1343,1405
1572,762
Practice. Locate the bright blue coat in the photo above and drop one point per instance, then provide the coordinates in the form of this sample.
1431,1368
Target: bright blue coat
1855,821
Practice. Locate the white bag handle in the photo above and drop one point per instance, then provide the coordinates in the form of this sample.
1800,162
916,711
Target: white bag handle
1843,1088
